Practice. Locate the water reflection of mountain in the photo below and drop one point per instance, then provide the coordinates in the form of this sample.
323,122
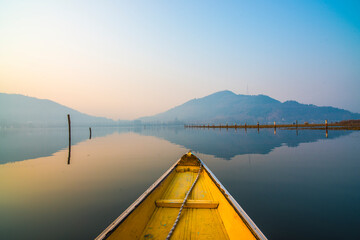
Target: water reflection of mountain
22,144
229,143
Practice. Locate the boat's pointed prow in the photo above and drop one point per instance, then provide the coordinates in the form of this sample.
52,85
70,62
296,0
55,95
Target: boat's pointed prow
189,159
187,202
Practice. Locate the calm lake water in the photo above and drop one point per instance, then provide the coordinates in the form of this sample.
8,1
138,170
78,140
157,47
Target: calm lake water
294,185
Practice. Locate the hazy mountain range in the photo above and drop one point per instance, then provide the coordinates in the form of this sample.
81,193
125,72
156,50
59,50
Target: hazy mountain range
221,107
226,106
18,110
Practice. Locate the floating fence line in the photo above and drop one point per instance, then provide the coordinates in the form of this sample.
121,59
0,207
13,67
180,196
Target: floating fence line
314,126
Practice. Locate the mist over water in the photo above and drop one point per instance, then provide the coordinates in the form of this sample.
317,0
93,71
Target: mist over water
294,185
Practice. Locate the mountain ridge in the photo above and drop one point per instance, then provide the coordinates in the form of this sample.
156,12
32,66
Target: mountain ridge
17,110
226,106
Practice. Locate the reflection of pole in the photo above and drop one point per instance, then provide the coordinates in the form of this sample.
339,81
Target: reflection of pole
69,124
90,132
326,129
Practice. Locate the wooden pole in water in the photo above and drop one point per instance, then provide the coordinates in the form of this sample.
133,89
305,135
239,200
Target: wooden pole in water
296,124
274,124
90,132
326,124
69,124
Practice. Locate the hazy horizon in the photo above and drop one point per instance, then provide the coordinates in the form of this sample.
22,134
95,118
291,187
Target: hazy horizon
125,60
189,111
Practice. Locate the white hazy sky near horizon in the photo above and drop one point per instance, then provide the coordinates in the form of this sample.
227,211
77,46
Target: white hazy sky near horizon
129,59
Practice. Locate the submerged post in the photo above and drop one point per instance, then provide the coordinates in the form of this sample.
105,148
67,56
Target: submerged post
69,125
90,132
274,124
326,124
296,124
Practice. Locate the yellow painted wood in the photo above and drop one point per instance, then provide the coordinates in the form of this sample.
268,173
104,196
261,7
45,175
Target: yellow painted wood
134,224
193,224
234,225
194,169
176,203
155,216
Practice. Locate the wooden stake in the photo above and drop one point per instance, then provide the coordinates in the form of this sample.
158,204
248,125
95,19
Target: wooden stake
69,125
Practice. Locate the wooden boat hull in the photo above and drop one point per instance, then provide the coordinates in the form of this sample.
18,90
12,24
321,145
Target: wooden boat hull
209,213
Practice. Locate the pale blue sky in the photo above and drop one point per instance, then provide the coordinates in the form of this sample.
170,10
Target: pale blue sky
128,59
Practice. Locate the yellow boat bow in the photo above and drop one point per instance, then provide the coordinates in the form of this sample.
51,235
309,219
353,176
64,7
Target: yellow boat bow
186,202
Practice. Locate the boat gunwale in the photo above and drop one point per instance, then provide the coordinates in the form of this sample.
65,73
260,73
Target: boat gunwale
247,220
135,204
